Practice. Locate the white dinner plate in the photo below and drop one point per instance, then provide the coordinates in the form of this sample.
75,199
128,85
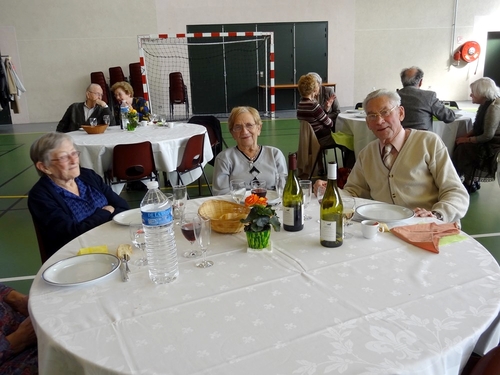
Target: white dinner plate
384,212
127,217
352,111
81,269
361,115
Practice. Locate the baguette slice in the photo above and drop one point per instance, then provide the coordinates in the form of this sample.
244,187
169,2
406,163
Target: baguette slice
123,249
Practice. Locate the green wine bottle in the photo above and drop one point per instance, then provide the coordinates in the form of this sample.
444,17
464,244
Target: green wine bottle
293,199
331,228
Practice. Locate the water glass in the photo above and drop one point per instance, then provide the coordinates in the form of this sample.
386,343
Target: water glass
320,193
106,119
180,199
202,232
280,181
92,121
306,186
136,232
238,190
349,208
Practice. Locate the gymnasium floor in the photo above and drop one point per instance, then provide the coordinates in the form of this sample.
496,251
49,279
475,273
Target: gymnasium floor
19,257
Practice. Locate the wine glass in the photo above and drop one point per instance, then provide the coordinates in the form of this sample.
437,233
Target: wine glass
179,204
259,188
106,119
320,193
306,186
153,118
202,231
187,229
136,232
280,181
349,207
238,190
92,121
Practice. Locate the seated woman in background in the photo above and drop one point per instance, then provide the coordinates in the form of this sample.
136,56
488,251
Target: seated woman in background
475,154
247,160
18,350
326,98
123,92
67,200
309,110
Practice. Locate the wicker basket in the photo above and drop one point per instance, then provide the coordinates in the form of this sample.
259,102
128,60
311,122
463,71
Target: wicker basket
225,216
98,129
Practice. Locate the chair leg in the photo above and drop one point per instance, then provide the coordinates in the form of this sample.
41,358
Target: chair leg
206,180
315,163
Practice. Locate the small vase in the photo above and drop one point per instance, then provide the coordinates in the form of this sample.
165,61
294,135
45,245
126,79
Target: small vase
259,241
132,124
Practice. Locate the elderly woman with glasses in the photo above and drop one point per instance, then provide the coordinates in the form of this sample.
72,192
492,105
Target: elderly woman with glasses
248,160
124,93
67,200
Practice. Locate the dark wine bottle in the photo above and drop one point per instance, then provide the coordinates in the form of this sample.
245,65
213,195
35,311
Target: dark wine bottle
331,228
293,199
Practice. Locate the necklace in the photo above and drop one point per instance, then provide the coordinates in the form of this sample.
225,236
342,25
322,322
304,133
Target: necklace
252,158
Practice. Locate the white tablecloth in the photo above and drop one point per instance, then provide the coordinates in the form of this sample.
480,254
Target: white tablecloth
369,307
168,147
349,123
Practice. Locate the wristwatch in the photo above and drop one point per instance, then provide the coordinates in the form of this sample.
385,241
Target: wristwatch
438,215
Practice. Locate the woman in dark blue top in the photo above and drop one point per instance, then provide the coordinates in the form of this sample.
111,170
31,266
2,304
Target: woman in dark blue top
67,200
123,92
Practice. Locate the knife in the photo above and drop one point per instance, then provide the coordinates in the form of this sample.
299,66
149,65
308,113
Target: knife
123,270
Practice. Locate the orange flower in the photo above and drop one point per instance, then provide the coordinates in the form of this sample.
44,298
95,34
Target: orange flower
254,199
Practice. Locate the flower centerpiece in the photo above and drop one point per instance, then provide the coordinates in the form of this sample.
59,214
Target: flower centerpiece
259,221
133,119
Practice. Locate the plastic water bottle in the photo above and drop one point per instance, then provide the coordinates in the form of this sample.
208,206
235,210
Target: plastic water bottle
157,220
124,112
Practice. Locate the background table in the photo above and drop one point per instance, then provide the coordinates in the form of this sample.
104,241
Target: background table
168,147
371,306
349,123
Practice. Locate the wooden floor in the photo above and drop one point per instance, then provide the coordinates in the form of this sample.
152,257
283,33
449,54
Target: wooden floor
19,258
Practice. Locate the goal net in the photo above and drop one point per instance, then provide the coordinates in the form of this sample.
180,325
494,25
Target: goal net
218,71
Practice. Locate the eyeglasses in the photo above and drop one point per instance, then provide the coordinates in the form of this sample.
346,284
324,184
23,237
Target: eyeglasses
239,127
96,93
65,158
382,114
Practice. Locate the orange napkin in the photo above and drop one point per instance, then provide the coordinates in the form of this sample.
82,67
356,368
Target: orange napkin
425,236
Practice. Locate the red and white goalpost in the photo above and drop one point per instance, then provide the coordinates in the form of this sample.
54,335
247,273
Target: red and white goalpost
234,66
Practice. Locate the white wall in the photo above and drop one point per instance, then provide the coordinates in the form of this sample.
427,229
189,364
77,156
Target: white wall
60,42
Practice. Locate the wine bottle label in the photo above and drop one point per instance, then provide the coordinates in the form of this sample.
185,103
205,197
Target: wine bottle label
290,216
328,230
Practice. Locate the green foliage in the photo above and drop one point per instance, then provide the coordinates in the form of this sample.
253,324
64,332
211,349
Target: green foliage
261,218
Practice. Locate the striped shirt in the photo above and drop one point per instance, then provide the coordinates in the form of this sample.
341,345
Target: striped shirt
310,111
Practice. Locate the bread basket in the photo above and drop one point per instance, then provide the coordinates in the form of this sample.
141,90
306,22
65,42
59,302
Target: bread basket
98,129
225,216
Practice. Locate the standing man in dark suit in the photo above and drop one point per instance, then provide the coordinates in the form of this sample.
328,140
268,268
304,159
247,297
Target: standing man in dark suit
78,114
420,105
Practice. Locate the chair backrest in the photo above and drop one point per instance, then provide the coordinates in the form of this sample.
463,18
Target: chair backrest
41,247
193,154
116,75
98,77
136,79
177,89
133,161
489,364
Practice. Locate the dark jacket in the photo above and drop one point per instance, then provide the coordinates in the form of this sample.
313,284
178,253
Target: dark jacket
75,117
54,218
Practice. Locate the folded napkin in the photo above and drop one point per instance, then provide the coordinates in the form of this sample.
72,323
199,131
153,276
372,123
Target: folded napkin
93,250
427,235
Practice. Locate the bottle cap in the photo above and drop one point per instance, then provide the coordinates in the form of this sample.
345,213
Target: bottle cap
332,171
152,185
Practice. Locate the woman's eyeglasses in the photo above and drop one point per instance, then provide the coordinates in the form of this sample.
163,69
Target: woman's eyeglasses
239,127
65,157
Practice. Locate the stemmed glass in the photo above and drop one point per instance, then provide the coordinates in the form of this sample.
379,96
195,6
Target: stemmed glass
153,118
93,121
106,119
306,186
187,229
202,231
320,193
136,232
349,207
238,190
180,198
280,181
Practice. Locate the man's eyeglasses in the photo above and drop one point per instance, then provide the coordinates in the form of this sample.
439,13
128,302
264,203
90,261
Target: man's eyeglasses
239,127
65,157
96,93
382,114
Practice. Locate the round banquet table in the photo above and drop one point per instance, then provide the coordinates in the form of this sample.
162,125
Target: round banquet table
355,124
378,306
168,147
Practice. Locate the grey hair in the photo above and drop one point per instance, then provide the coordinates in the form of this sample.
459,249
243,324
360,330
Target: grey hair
411,80
41,149
485,87
317,76
89,87
393,96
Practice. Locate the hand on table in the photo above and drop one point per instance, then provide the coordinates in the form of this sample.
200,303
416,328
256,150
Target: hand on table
421,212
